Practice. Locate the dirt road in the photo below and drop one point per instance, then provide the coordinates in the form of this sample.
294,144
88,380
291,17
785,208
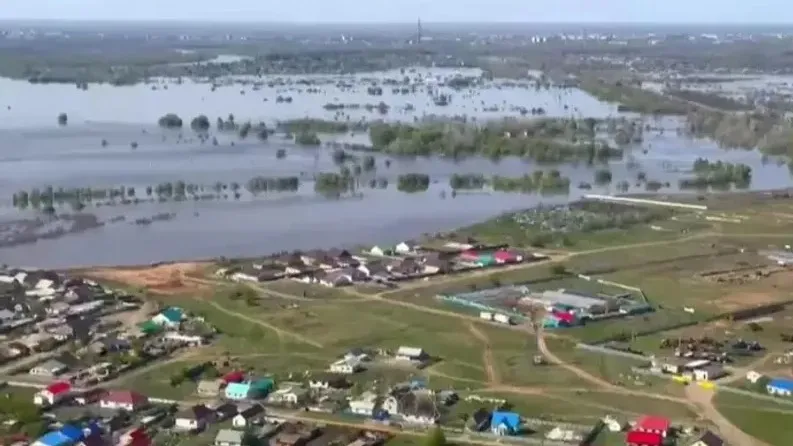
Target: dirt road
703,399
278,330
487,355
696,397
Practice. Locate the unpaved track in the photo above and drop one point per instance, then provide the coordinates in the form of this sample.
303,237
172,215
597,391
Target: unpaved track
697,398
279,331
703,399
487,355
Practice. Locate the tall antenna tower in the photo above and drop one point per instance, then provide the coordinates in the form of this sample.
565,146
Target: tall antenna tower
418,31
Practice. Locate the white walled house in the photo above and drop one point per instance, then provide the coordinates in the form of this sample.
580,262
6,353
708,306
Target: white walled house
364,405
403,248
346,366
411,354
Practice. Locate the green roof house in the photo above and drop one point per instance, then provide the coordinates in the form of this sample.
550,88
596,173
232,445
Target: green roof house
262,387
169,317
486,260
150,327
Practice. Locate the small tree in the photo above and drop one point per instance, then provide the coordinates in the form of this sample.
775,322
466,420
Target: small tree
63,119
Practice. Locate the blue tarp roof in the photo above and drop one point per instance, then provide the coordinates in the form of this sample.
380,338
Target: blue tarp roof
94,428
55,438
173,314
509,419
72,432
781,383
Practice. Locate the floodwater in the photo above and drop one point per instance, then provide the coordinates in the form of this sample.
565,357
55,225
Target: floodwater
36,152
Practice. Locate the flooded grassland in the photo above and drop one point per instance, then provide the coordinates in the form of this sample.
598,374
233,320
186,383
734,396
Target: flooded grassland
112,140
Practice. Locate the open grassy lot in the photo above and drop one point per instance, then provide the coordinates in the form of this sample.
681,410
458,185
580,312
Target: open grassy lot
701,261
762,419
569,230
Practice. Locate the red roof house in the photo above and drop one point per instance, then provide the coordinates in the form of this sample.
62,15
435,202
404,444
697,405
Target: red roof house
639,438
564,318
234,377
653,424
135,437
469,255
123,399
504,256
53,393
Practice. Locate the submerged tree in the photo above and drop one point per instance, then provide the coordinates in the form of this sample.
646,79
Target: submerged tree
170,121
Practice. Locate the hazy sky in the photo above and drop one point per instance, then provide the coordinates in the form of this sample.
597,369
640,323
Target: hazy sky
350,11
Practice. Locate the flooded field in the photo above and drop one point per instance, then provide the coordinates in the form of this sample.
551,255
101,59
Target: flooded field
257,99
95,150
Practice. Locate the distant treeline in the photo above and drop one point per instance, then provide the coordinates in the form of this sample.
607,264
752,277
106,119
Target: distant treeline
545,140
538,181
718,174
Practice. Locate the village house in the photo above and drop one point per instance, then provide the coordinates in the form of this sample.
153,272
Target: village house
313,257
503,257
364,404
243,276
413,407
250,389
648,431
171,317
298,270
346,366
411,354
343,257
780,386
225,411
336,279
480,420
245,415
53,394
505,423
708,439
238,391
289,395
289,259
374,270
404,248
135,437
195,418
92,396
405,267
437,265
209,388
380,252
229,437
707,373
49,368
328,381
290,439
127,400
186,339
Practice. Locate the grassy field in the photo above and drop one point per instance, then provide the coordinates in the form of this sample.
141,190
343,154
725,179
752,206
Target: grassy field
293,328
762,419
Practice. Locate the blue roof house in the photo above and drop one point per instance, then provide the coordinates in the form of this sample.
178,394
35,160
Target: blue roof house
780,386
54,438
505,423
171,316
238,391
72,432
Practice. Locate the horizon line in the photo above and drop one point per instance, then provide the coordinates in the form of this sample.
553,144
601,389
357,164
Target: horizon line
380,22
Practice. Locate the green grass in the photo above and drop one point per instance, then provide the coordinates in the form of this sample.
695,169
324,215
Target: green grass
761,419
299,289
